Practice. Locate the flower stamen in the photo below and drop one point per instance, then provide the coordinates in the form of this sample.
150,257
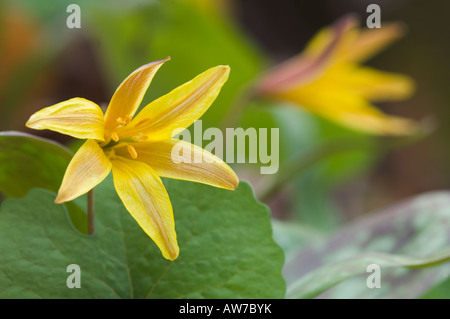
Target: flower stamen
132,151
123,121
115,136
139,138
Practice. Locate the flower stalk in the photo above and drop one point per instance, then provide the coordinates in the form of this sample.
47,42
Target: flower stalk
299,164
90,212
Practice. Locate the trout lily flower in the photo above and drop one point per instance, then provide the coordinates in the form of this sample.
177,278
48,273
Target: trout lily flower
327,79
138,149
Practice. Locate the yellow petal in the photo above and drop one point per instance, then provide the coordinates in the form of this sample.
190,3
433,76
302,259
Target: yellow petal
129,94
145,197
323,51
170,114
352,111
372,41
76,117
87,168
182,160
374,85
342,34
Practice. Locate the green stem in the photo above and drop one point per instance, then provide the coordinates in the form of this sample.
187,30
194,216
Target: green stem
301,163
90,212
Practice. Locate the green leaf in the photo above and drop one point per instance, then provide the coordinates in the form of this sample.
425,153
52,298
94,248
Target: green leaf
225,238
330,275
28,161
400,240
441,291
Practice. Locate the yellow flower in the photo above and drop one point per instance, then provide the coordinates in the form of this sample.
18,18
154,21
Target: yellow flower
327,79
139,150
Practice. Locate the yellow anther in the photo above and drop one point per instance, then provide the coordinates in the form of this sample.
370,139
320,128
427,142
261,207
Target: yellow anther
115,136
123,121
120,121
132,151
139,138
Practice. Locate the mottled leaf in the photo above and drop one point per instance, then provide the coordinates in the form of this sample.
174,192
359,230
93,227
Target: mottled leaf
407,242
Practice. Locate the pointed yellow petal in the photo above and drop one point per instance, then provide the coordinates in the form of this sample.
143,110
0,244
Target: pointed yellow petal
370,120
364,43
182,160
372,41
76,117
337,38
129,94
375,85
170,114
322,52
352,111
145,197
87,168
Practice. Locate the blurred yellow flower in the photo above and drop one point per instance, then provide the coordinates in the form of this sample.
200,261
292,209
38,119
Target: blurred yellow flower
328,80
139,150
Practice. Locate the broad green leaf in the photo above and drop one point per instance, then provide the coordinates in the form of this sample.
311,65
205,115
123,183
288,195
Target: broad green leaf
441,291
28,161
225,238
407,241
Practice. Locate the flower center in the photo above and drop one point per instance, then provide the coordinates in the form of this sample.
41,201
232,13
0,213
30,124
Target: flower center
119,143
118,149
123,121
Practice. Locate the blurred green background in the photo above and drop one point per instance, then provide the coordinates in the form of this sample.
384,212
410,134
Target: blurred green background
42,62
